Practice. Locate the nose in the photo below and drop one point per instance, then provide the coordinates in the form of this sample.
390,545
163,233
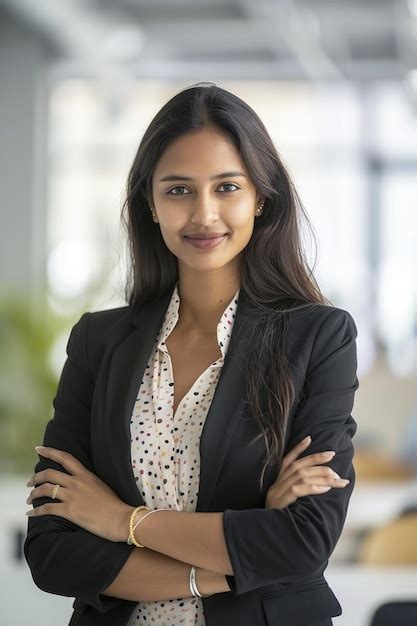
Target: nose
204,210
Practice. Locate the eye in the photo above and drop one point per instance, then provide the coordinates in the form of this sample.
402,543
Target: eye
176,194
229,185
169,193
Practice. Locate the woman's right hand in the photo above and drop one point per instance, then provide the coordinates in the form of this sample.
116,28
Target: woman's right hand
302,477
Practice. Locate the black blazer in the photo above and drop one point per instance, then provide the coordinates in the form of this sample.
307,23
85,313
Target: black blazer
278,556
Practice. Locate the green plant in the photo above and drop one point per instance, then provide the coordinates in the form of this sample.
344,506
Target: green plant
28,380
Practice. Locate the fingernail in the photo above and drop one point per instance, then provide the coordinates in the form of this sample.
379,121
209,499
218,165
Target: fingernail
37,448
308,438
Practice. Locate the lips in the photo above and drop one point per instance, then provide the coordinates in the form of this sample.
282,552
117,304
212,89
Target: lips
206,243
211,236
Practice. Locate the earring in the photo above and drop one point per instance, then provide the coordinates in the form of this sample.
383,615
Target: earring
259,210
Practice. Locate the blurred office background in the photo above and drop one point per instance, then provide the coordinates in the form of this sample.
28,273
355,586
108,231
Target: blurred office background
335,82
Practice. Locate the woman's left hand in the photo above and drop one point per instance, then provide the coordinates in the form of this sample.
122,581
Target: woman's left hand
82,497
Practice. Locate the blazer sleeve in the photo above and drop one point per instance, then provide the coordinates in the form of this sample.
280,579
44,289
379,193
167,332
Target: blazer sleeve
64,558
269,546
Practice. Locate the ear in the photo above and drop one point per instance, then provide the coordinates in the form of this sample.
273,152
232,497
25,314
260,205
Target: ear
152,208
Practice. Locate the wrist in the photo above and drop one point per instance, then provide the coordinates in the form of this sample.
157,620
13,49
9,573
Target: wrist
209,583
123,520
137,517
117,523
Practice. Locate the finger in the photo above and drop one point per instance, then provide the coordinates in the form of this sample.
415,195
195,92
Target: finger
317,458
308,475
47,509
323,480
296,451
309,490
311,472
46,490
304,474
51,476
67,460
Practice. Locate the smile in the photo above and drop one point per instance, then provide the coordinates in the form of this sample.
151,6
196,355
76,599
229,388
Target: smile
204,244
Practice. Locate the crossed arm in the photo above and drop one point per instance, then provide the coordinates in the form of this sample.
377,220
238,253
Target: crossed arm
174,542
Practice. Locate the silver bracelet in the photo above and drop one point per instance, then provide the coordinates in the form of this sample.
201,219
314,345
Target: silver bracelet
193,586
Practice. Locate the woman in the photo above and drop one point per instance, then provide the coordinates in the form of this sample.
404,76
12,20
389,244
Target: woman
221,301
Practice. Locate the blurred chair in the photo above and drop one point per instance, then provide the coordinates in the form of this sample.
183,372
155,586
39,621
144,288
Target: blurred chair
372,465
408,509
395,614
394,543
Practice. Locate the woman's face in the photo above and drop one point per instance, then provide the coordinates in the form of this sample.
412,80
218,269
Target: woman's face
200,186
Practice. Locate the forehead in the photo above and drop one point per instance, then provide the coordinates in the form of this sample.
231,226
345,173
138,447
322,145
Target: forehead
200,152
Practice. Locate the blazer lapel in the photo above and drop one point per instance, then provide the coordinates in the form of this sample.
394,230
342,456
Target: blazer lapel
227,406
126,368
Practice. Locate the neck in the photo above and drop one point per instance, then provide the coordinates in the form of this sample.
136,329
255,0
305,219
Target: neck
203,300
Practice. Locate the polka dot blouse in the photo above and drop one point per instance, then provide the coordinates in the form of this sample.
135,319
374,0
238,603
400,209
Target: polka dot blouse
165,448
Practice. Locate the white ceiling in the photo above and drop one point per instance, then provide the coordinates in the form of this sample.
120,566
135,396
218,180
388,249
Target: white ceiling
352,40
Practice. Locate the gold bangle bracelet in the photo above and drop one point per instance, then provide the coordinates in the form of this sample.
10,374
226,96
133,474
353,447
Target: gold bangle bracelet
131,539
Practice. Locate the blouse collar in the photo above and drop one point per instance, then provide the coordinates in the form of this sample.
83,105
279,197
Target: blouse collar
224,327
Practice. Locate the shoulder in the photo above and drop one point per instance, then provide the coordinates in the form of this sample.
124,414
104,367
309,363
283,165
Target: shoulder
318,331
99,321
97,331
322,319
98,324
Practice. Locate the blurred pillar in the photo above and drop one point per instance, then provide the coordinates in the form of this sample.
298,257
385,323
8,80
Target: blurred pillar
23,129
372,171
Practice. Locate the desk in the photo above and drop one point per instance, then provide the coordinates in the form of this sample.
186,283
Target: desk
374,503
371,504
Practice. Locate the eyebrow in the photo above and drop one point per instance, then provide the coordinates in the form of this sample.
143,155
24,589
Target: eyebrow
223,175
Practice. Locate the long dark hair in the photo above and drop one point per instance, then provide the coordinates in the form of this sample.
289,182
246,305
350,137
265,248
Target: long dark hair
275,276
